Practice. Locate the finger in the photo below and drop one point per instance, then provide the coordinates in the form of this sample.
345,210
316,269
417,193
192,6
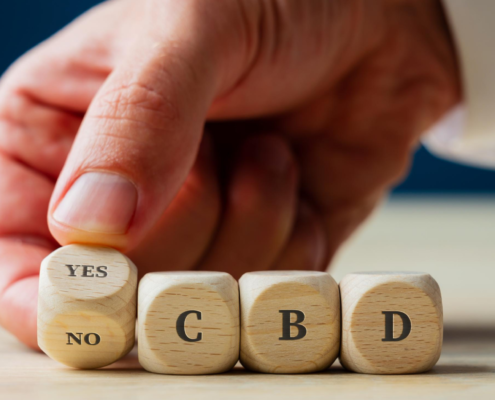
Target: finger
44,94
186,228
259,211
343,220
68,69
138,140
24,242
362,172
23,201
19,307
36,134
20,261
307,247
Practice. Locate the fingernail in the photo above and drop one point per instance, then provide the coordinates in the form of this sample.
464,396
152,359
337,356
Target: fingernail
98,202
270,154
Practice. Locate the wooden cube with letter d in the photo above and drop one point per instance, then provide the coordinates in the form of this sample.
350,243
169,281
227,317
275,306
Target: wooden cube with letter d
392,322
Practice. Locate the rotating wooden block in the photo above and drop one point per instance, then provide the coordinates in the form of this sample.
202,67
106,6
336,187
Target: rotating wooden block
188,322
392,323
87,306
290,321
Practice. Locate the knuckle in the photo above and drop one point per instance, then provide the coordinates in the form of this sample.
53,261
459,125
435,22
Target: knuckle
19,184
138,104
35,134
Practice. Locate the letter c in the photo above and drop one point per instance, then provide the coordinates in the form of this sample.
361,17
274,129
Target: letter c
180,326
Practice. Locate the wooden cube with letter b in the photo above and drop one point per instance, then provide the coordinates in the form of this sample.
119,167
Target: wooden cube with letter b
87,305
392,322
290,321
188,322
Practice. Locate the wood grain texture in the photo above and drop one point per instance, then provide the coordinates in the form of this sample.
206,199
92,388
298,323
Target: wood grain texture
466,370
458,233
365,298
96,305
163,297
263,296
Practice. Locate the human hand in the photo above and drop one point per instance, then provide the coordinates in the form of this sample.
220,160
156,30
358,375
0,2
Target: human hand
314,109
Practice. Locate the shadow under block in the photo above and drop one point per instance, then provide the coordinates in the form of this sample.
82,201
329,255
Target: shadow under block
392,323
188,322
87,306
290,321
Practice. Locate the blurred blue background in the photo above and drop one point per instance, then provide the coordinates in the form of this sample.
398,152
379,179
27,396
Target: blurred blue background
24,23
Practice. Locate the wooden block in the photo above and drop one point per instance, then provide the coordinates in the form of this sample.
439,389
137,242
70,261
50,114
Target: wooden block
188,322
87,306
392,322
290,321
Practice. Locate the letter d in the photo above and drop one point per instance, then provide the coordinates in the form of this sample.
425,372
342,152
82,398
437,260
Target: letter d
389,326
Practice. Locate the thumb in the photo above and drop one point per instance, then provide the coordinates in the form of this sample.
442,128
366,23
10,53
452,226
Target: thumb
137,142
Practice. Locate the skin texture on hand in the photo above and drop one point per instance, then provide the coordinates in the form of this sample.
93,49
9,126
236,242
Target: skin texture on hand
312,110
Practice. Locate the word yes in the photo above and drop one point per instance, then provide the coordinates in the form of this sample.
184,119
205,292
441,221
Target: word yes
87,271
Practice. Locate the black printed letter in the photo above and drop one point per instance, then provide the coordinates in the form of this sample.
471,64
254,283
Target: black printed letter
72,269
286,324
86,269
389,326
102,271
87,339
73,337
181,331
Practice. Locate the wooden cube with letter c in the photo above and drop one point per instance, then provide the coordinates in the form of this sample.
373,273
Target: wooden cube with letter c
188,322
290,321
392,322
87,305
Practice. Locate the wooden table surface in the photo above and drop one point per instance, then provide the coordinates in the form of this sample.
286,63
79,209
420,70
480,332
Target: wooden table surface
466,369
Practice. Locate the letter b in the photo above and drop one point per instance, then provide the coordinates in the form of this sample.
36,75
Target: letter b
290,321
286,324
